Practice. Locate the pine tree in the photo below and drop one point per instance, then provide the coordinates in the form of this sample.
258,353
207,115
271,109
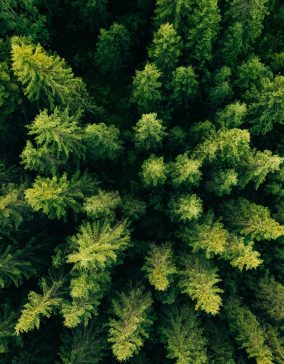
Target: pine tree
154,171
186,207
149,132
159,266
204,27
54,196
39,305
57,137
131,324
102,205
251,220
270,296
166,48
113,50
221,89
182,335
209,236
174,12
184,85
249,334
147,88
102,141
47,78
186,171
198,280
222,182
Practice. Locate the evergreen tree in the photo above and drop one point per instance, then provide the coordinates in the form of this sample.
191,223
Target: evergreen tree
186,207
129,328
249,334
159,266
183,337
47,78
184,85
154,171
166,48
198,281
149,132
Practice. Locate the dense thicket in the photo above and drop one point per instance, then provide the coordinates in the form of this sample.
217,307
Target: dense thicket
141,181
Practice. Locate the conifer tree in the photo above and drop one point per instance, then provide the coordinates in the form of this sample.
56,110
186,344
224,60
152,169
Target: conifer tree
249,334
39,305
57,137
186,171
149,132
252,220
182,335
129,328
166,48
102,141
154,171
147,88
159,266
184,85
186,207
198,280
54,196
113,50
47,78
232,116
102,205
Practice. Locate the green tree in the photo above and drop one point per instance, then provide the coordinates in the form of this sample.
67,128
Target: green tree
232,116
102,141
166,48
131,324
186,207
182,335
159,266
47,78
102,205
147,88
39,305
203,30
154,171
57,137
113,50
198,280
54,196
184,85
222,182
149,132
251,220
249,334
186,171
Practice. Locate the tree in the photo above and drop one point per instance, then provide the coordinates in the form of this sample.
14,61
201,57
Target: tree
102,205
250,14
198,280
166,48
222,182
129,328
186,171
57,137
39,305
208,235
251,220
102,141
149,132
184,85
175,12
154,171
186,207
221,90
113,50
267,109
232,116
232,44
182,335
54,196
159,266
249,334
202,32
147,88
270,296
47,78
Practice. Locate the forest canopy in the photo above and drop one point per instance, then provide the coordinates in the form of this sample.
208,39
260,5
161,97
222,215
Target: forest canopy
141,181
